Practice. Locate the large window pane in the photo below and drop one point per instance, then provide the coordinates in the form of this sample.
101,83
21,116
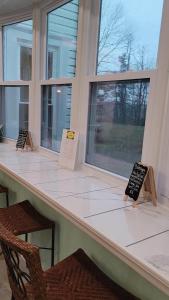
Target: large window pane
56,105
61,40
129,35
17,45
117,113
14,103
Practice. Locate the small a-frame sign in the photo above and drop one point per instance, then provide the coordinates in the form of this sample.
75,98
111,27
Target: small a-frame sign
24,140
149,188
141,178
29,143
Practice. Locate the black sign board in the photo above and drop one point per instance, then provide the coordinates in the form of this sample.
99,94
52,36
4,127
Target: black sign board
1,132
136,180
21,141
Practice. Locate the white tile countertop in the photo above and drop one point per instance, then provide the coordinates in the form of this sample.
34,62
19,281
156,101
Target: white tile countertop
139,236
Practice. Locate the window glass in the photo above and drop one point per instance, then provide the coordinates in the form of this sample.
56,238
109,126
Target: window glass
17,46
56,106
62,40
14,103
129,35
117,114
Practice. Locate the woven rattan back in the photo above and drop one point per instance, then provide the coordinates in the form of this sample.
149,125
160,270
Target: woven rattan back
29,284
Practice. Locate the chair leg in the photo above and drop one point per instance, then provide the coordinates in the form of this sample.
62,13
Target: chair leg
53,247
12,297
7,199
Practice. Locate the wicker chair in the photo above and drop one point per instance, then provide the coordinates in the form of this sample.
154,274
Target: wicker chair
4,189
23,218
74,278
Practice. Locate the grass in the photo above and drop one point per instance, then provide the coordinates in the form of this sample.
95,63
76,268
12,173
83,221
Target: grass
120,141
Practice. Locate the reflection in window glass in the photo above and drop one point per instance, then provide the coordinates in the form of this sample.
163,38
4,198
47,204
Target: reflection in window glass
14,105
129,35
17,44
61,40
56,106
116,124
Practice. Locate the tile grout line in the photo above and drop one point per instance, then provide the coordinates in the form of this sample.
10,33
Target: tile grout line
53,181
115,209
107,211
103,189
154,235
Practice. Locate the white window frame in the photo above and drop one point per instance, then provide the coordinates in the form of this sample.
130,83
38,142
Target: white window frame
12,19
156,100
73,81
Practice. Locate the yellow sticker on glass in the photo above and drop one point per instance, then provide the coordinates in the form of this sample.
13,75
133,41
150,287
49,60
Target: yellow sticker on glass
70,135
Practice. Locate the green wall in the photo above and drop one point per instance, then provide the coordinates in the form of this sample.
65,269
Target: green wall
69,238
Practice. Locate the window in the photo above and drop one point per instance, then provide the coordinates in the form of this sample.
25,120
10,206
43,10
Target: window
127,41
117,58
62,26
17,48
61,40
129,35
56,105
116,124
14,102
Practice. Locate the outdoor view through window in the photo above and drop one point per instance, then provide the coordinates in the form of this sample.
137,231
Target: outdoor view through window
61,62
17,50
17,65
128,41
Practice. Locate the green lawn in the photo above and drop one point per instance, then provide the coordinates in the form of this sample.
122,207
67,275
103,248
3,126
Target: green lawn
120,141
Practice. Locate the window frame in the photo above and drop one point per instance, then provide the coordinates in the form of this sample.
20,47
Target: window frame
9,21
158,85
62,80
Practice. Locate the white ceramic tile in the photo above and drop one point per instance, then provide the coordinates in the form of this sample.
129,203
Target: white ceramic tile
91,203
22,167
7,148
36,177
69,187
155,252
130,224
15,156
18,160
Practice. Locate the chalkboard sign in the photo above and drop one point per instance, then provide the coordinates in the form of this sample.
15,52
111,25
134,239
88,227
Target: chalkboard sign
1,132
22,137
136,180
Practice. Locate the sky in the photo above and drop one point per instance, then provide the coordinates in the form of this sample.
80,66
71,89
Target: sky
143,17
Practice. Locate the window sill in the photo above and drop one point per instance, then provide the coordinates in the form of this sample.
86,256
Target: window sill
95,204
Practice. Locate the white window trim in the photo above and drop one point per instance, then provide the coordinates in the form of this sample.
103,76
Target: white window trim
61,81
9,20
156,101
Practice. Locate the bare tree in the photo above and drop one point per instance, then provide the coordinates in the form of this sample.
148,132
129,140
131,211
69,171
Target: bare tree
112,36
117,45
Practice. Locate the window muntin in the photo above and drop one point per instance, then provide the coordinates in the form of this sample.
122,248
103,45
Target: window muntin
55,114
129,35
62,40
117,112
14,105
17,51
